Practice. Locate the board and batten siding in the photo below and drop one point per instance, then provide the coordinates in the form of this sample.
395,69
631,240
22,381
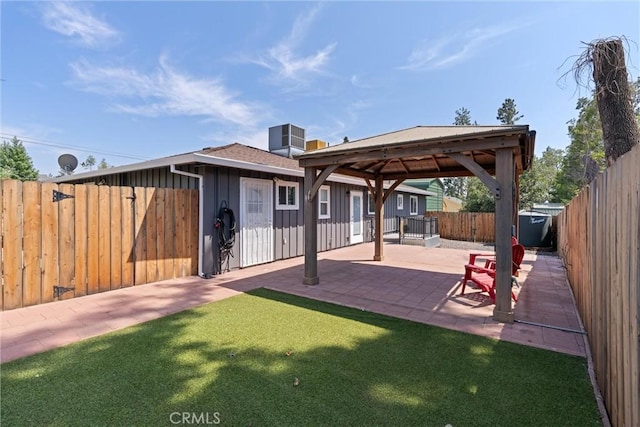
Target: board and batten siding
157,177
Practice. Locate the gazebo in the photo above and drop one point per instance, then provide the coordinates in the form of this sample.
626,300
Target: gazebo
427,152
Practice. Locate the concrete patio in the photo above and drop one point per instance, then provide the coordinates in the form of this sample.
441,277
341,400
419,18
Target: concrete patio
414,283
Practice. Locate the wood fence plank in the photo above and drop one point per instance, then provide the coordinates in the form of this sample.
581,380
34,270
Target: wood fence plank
12,210
160,237
116,236
50,258
195,224
104,238
599,239
141,237
93,238
184,238
66,240
178,233
169,226
150,222
32,238
81,240
128,237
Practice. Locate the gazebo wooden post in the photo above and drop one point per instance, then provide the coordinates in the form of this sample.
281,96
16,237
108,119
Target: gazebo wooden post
310,229
379,218
503,311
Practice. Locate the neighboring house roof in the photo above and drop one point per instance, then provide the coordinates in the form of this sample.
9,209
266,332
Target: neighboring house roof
451,204
424,181
233,156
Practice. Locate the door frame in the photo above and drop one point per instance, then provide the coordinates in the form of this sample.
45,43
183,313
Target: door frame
242,221
355,238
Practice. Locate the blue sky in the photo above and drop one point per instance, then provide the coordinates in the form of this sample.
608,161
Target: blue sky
128,81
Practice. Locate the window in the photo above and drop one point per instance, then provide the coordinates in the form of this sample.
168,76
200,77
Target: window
371,205
287,196
324,202
413,205
400,202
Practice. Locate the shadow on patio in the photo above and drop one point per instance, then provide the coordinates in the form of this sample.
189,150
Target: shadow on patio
415,283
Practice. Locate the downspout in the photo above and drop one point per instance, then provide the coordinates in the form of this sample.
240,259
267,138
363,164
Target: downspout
200,213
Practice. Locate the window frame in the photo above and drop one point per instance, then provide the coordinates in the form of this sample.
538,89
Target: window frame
371,204
411,199
326,188
400,202
287,185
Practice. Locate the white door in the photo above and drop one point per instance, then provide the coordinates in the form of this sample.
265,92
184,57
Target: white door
356,235
256,221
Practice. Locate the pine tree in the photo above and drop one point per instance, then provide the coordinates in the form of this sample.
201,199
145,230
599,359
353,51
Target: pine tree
508,114
15,162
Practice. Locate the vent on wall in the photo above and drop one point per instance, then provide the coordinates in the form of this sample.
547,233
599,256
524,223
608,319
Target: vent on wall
286,140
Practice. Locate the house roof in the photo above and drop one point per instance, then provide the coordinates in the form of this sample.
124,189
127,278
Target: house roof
248,154
426,152
234,155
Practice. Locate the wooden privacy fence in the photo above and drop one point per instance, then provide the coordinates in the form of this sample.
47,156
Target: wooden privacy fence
599,240
470,226
100,239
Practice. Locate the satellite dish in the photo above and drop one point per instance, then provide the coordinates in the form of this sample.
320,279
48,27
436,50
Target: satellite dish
68,162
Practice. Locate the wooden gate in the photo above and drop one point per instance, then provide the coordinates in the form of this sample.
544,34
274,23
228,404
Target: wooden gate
100,238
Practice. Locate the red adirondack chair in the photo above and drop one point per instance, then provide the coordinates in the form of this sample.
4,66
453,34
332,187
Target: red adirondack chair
485,277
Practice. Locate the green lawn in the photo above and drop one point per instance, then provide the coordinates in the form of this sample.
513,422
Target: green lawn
229,360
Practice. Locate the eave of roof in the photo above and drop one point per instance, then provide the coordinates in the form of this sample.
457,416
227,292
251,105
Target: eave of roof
205,159
417,134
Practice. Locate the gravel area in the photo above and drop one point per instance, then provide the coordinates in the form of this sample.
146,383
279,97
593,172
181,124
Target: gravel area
460,244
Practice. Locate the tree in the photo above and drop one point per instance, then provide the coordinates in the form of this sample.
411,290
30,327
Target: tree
585,149
463,117
615,97
457,187
507,113
103,164
479,198
89,163
15,162
536,183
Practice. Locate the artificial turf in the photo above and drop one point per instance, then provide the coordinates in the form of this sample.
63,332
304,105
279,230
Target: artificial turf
235,362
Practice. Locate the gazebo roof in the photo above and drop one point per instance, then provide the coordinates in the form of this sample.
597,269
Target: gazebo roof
423,151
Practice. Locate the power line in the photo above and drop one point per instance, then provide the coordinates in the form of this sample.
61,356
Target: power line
71,147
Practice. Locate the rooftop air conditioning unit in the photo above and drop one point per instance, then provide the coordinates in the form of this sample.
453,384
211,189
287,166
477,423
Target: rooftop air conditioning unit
286,140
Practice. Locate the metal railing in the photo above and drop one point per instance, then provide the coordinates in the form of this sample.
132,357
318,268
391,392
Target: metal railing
416,227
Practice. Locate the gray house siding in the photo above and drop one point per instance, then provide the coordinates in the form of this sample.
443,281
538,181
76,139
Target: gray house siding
391,211
222,184
157,177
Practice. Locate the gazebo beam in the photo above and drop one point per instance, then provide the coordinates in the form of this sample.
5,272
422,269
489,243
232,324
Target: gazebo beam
390,189
503,311
310,229
401,152
379,218
320,179
478,171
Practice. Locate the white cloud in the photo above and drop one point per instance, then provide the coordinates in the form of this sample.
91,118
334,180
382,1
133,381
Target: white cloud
74,19
165,92
340,126
454,48
286,64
